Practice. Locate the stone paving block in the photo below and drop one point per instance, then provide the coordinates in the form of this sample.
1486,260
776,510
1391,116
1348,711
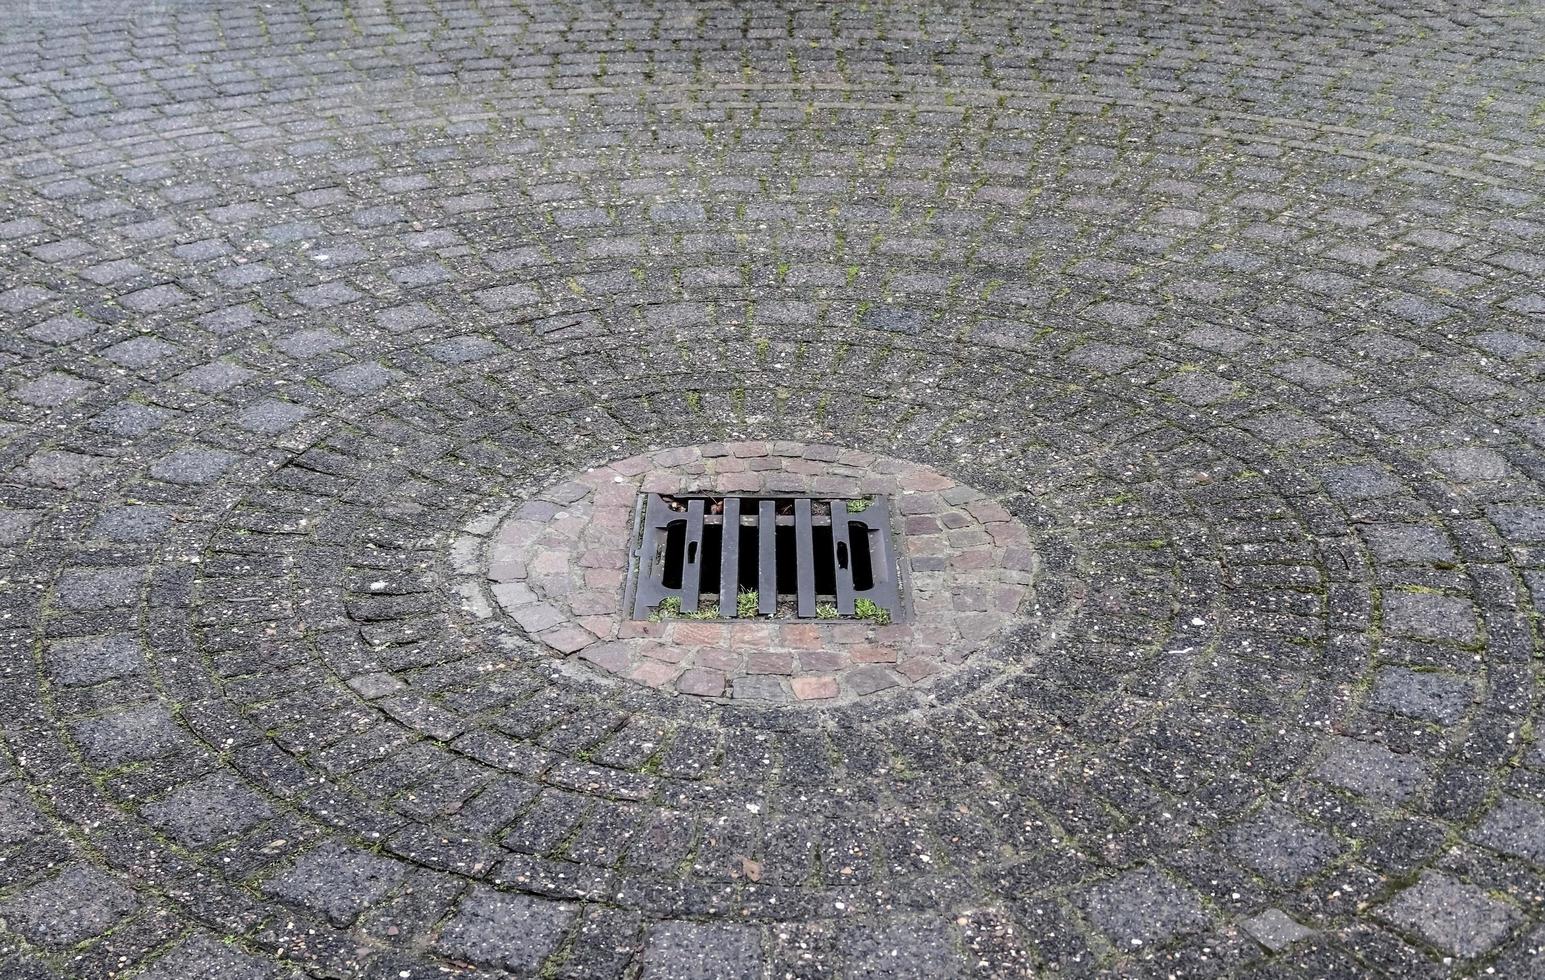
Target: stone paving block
52,389
701,681
1431,697
1143,906
57,469
509,932
138,734
1515,827
310,343
139,353
271,416
337,882
192,466
98,588
1519,523
1458,918
1276,930
868,680
93,660
134,523
208,810
903,948
20,819
78,904
701,951
1407,542
1371,770
215,377
206,957
1282,847
1429,617
129,420
1471,465
759,687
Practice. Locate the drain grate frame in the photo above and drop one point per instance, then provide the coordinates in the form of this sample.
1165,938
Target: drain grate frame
812,550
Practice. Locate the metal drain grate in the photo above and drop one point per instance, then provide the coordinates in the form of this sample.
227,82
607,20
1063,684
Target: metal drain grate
797,554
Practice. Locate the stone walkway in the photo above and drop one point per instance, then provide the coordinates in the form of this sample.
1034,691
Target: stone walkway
1209,340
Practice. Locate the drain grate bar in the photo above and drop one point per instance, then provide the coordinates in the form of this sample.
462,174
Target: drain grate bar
842,559
729,558
804,557
692,564
808,554
767,558
885,590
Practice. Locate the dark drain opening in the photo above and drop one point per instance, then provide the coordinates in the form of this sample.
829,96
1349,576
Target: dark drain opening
674,547
802,556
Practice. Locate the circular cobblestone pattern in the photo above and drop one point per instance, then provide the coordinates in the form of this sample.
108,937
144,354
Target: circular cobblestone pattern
1196,347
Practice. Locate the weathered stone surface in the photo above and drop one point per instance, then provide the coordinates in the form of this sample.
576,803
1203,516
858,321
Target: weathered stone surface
338,882
694,951
510,932
81,903
1143,907
1458,918
1197,350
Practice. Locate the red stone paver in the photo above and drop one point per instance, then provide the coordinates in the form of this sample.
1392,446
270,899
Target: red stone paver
660,483
815,688
512,595
602,558
743,636
506,570
567,639
630,629
920,504
769,662
604,579
822,660
654,673
918,668
701,681
921,524
696,634
971,560
632,466
988,511
801,637
537,616
717,660
604,627
740,483
869,654
608,656
594,602
668,652
924,481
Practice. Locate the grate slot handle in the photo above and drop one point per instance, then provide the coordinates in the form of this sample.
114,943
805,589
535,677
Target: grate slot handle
692,567
886,591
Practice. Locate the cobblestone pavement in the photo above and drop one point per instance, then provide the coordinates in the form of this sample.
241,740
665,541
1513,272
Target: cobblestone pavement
1237,310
